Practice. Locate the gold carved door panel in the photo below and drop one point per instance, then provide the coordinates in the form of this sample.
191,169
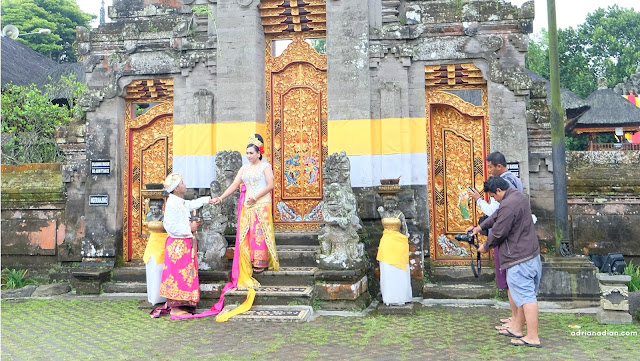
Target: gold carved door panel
148,156
296,139
457,139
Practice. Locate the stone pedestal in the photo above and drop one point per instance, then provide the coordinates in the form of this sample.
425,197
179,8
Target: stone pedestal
89,281
342,290
568,279
614,299
613,317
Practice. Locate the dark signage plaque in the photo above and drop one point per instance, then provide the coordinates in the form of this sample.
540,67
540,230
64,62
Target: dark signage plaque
514,167
100,167
99,200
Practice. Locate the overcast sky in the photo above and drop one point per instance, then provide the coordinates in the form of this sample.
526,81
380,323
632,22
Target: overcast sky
568,12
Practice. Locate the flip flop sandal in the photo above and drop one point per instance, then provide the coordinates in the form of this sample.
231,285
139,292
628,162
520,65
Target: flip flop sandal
258,270
502,327
525,343
508,333
505,320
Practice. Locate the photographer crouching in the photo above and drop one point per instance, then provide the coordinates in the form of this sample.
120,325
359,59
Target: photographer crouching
513,230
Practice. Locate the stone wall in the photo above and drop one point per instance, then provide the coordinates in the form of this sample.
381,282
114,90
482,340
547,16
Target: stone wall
604,201
540,162
33,206
490,34
603,172
147,40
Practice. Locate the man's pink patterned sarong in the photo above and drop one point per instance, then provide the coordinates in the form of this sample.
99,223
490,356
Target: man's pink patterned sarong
179,282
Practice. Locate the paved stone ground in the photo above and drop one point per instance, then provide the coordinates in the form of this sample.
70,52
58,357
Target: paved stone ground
98,329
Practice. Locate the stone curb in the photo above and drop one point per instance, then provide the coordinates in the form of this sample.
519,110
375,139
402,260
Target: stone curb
544,306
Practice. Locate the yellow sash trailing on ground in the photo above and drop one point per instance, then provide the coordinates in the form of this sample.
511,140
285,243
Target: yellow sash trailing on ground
155,247
394,249
244,307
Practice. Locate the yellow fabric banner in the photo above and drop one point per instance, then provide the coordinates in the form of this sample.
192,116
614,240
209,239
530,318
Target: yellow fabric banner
155,247
377,136
208,139
394,249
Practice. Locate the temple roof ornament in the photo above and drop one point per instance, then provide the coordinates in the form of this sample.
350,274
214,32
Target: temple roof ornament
289,16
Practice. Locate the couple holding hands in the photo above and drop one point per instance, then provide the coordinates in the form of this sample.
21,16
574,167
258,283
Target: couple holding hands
255,248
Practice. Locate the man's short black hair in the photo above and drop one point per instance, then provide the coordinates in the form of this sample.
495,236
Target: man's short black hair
494,183
496,158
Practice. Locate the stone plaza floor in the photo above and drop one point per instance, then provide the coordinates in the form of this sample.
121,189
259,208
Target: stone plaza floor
118,329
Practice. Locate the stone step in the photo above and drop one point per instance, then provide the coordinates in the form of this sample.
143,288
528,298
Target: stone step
297,256
124,287
139,274
293,255
274,295
297,238
273,313
287,238
129,274
287,276
459,290
463,274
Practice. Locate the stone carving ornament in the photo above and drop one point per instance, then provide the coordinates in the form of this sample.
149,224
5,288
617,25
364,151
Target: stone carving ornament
228,164
211,243
340,246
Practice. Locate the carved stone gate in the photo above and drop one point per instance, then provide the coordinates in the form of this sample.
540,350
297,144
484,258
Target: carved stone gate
457,142
296,109
148,154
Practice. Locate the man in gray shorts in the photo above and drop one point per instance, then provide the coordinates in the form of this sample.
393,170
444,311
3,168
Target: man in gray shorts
512,228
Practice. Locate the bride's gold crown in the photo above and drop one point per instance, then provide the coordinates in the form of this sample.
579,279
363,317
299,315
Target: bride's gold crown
254,140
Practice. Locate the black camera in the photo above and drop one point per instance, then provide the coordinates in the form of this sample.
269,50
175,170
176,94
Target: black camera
465,237
471,239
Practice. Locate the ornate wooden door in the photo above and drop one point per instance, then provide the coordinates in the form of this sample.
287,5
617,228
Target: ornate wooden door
457,143
296,110
148,155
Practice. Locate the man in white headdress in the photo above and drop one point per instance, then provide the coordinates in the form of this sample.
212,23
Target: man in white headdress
179,283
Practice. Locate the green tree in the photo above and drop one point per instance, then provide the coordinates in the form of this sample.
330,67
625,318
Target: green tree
537,58
30,120
604,45
610,39
60,16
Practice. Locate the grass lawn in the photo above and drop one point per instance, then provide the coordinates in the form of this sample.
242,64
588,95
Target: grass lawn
119,330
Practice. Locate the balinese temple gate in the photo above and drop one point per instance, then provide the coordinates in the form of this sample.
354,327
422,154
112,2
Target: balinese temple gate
417,89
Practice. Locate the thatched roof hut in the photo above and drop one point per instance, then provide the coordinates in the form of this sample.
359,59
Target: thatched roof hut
54,75
608,112
21,65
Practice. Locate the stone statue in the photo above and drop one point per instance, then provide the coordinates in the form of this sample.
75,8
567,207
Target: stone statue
155,210
211,243
389,209
340,246
228,164
337,169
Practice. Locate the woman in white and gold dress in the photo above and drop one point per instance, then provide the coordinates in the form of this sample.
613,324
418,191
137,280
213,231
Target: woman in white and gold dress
393,255
255,248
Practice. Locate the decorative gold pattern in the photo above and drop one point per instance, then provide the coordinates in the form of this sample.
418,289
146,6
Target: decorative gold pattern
189,274
177,249
457,136
169,289
148,155
289,16
453,74
296,139
150,89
